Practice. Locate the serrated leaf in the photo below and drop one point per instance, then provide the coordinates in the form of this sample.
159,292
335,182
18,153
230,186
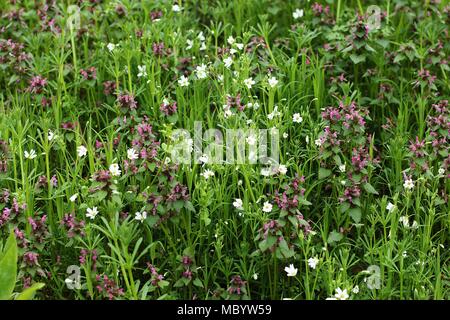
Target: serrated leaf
369,188
334,236
323,173
355,214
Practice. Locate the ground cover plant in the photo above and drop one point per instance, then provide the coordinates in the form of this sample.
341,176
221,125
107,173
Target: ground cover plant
98,98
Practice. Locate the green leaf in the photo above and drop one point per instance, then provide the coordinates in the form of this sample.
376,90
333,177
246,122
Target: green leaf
197,282
8,268
28,294
334,236
267,243
355,214
357,58
323,173
369,188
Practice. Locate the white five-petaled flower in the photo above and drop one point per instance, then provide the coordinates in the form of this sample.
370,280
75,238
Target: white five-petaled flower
390,207
190,44
249,82
203,158
231,40
255,276
282,169
267,207
201,71
404,221
114,169
183,81
176,8
238,204
342,168
30,155
111,47
142,71
91,213
298,13
207,174
251,140
132,154
313,262
297,118
409,184
140,216
228,61
73,197
291,270
355,290
441,171
341,294
81,151
272,82
50,135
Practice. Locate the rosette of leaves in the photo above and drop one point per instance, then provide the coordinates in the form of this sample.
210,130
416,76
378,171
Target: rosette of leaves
187,270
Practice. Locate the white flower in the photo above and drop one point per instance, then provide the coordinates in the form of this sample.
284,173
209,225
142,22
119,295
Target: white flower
201,36
404,220
342,168
341,294
273,82
74,197
114,169
203,46
285,135
255,276
355,290
91,213
265,172
140,216
142,71
111,47
189,43
313,262
237,204
231,40
249,82
415,225
207,174
132,154
298,13
228,61
251,140
282,169
240,46
176,8
297,118
50,135
81,151
291,271
267,207
409,184
30,155
201,71
203,159
183,81
390,207
404,254
275,113
318,142
441,171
